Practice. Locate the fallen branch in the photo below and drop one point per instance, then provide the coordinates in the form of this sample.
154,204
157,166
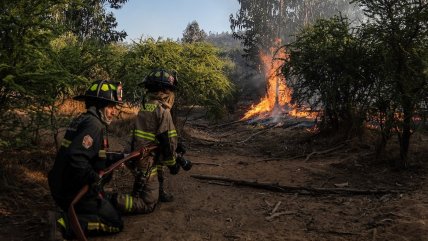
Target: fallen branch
270,159
323,152
226,124
300,190
274,215
253,135
219,183
257,133
206,163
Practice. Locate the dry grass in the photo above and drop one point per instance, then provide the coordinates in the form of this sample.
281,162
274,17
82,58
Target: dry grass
70,107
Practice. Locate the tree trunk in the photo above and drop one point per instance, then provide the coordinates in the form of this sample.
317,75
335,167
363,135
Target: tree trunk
405,136
385,133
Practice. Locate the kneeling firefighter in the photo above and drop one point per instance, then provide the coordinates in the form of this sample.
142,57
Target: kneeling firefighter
81,160
84,160
154,124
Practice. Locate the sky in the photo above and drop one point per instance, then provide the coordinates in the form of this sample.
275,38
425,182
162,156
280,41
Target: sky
169,18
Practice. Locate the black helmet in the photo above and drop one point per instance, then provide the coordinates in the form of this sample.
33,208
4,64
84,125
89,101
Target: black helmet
103,91
160,79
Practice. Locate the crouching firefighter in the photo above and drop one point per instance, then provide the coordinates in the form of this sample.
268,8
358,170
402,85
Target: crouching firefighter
80,162
154,124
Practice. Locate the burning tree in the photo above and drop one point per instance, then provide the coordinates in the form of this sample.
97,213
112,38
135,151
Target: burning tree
277,100
278,95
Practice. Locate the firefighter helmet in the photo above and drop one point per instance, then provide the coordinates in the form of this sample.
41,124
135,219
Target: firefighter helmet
103,91
160,79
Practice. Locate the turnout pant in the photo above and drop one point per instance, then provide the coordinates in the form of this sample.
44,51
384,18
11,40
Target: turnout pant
143,201
96,216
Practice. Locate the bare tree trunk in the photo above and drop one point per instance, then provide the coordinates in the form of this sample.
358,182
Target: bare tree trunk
405,136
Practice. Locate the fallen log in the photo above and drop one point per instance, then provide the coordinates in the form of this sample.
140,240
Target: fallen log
300,190
206,163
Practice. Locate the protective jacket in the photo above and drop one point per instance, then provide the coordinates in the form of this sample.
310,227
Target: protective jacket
154,124
81,156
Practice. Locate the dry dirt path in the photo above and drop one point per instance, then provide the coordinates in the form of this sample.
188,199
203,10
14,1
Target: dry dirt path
205,210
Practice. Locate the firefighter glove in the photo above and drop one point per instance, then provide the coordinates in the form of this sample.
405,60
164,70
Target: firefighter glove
174,169
181,149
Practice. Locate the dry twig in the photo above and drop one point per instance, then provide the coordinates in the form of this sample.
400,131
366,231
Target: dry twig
274,215
324,152
276,207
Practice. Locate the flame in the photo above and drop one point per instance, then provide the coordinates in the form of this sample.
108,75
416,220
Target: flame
278,95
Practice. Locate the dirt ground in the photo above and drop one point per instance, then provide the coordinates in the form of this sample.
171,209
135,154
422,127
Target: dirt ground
214,210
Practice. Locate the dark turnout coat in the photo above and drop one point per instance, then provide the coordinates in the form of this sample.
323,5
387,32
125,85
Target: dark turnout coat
81,156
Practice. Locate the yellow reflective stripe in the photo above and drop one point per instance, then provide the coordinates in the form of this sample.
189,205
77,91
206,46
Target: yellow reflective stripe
172,133
131,199
93,226
126,202
101,226
169,162
145,135
65,143
102,154
154,171
149,107
61,221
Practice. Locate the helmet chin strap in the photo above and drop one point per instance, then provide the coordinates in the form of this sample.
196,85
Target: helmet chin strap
103,116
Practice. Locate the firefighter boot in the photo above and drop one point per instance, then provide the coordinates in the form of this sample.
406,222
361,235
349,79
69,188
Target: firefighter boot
163,196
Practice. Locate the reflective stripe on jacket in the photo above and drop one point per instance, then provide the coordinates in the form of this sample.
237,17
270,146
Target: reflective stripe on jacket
154,124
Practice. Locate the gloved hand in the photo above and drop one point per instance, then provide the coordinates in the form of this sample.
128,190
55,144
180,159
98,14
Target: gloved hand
174,169
181,149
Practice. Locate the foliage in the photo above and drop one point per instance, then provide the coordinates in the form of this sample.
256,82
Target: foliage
89,19
259,22
331,69
401,28
193,33
200,71
224,41
377,72
30,76
41,64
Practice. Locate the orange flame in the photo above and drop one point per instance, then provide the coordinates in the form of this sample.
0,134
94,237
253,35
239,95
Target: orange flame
278,94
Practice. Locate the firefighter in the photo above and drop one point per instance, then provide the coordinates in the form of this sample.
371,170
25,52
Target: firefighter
81,159
154,124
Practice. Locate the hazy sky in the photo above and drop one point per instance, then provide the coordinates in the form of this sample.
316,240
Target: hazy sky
169,18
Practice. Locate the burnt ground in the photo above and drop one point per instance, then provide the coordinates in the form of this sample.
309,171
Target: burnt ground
214,210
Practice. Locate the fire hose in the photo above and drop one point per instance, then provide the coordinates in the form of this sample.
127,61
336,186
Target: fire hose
74,220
